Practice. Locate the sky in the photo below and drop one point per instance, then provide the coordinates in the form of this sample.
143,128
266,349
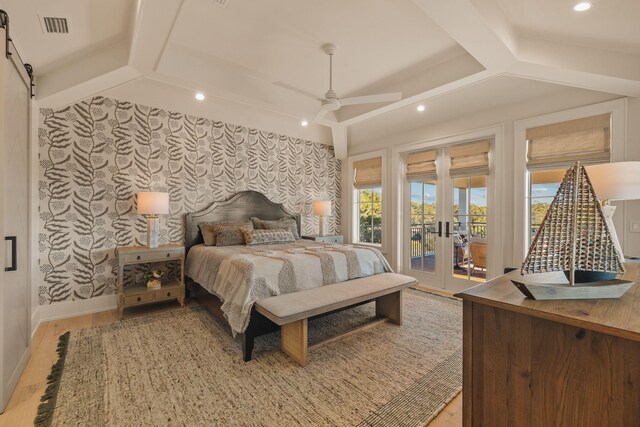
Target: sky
478,195
544,190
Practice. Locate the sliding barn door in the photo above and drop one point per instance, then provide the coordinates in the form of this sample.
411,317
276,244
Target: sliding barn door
14,208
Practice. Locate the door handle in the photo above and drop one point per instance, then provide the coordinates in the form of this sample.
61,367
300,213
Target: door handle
446,230
14,265
439,228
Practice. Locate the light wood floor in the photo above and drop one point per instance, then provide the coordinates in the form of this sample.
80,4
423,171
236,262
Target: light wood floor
23,405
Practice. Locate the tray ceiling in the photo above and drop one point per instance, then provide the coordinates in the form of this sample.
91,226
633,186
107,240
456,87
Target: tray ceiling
250,53
281,40
611,25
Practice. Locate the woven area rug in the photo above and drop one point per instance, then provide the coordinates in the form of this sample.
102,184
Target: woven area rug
180,367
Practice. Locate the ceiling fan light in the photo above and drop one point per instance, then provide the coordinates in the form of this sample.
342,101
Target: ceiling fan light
581,7
331,104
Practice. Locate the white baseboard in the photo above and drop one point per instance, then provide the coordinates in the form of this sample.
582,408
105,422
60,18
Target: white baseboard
17,373
62,310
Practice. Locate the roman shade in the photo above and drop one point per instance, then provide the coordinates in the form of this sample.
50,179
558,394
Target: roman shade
470,182
421,166
469,159
547,176
367,173
561,144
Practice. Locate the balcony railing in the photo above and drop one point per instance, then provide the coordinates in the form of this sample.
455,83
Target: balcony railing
423,240
423,237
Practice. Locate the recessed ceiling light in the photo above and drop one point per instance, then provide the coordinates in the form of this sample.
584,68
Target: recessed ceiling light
420,108
581,7
200,96
304,123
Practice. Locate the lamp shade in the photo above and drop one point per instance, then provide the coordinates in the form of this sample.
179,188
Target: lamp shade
322,207
153,203
615,181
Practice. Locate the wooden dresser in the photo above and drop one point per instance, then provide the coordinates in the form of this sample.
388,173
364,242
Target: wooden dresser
550,363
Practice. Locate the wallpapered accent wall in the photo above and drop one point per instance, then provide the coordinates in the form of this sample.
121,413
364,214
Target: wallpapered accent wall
95,155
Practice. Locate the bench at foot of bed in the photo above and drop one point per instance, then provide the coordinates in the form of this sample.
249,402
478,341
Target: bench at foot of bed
292,311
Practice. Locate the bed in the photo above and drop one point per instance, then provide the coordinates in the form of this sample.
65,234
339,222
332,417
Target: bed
231,279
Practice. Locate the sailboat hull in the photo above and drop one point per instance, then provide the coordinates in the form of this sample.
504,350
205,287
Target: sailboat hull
609,289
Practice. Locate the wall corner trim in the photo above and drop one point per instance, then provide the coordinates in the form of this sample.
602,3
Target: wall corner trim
35,321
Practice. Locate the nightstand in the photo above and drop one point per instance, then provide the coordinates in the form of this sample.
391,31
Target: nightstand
134,294
324,239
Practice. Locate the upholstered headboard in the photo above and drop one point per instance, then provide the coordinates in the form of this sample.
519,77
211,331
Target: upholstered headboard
242,205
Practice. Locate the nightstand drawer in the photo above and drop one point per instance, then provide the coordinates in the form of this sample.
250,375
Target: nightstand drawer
325,239
330,239
168,294
151,257
139,299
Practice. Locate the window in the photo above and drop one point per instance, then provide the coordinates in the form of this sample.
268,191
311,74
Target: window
552,149
543,186
367,184
470,207
422,177
370,215
424,229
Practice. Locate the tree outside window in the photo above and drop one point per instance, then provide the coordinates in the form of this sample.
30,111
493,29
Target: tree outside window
370,215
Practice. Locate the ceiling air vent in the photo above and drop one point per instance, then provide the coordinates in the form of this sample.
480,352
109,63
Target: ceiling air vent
54,25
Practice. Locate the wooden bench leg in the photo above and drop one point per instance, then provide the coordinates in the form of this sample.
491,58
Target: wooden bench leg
390,306
247,345
294,341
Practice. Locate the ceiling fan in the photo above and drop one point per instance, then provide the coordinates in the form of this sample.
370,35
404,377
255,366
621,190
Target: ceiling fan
331,102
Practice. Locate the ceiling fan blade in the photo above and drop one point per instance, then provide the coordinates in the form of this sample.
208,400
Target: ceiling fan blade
372,99
298,91
323,112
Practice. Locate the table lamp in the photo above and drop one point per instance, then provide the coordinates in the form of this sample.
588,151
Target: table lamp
322,209
615,181
153,204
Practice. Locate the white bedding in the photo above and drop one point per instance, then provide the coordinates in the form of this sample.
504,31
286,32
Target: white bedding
241,275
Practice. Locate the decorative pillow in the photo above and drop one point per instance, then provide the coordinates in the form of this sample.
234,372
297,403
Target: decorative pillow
267,237
211,230
230,236
286,223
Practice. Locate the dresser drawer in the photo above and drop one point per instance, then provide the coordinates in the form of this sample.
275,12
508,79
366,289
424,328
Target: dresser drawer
139,299
151,257
168,293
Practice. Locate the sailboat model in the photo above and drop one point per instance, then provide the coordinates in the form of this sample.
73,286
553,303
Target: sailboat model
574,237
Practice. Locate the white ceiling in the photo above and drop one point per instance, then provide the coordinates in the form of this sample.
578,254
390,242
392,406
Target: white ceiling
280,40
94,24
483,96
449,52
611,25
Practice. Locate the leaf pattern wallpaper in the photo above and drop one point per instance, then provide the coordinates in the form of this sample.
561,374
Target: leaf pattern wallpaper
96,154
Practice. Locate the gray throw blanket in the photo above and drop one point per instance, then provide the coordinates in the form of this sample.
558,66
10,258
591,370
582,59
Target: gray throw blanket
242,275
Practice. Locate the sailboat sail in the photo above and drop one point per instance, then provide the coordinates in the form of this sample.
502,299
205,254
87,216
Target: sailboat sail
573,234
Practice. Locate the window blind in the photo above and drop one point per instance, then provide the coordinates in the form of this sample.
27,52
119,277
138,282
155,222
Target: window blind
562,144
367,173
469,159
421,166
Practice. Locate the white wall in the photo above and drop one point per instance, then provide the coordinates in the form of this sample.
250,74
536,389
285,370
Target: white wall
505,117
631,244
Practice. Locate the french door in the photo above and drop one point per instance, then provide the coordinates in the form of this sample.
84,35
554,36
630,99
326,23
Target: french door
446,225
